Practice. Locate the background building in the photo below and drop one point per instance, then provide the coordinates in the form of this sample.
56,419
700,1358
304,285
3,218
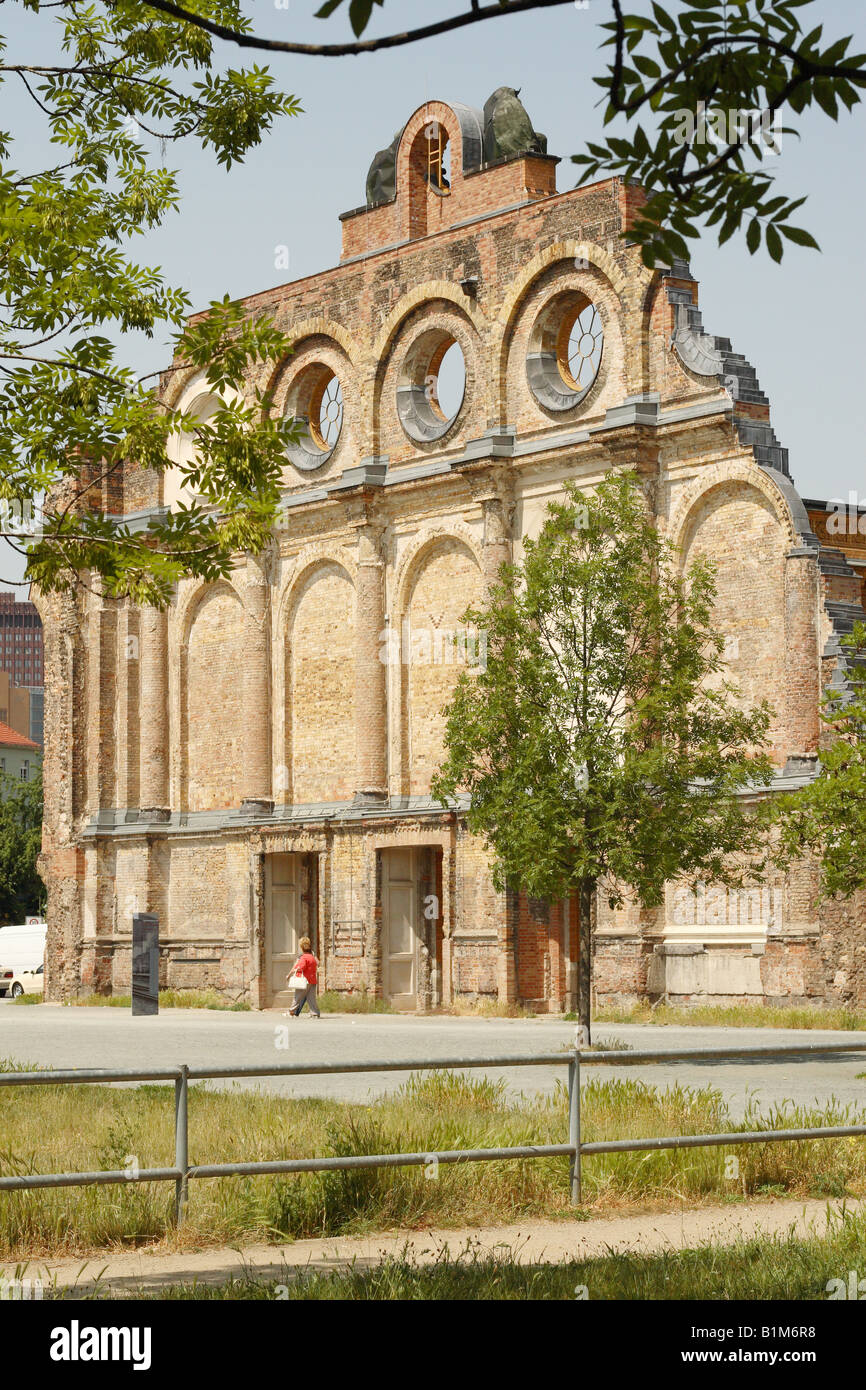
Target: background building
20,757
21,666
255,764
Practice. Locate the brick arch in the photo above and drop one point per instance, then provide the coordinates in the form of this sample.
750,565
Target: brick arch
719,475
562,253
465,131
182,395
465,139
421,681
737,523
439,307
430,537
314,700
316,327
188,603
302,565
211,766
428,293
178,384
569,250
305,560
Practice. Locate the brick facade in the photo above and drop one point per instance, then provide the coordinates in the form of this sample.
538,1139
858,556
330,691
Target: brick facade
249,766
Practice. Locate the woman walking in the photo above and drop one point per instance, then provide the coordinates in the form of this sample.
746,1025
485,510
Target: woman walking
304,979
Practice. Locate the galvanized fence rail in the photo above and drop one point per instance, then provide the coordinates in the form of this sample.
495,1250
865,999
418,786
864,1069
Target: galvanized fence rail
575,1149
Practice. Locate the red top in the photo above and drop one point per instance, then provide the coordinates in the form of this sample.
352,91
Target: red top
308,967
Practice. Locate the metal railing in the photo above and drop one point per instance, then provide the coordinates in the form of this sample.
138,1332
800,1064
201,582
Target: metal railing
574,1149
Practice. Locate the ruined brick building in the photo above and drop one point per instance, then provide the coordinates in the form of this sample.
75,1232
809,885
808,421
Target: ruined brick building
249,767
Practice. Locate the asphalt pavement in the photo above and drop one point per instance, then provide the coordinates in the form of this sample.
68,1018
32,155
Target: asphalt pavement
58,1036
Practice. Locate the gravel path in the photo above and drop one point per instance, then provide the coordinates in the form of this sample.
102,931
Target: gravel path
135,1272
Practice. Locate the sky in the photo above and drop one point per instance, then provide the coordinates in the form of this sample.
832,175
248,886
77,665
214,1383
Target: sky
799,324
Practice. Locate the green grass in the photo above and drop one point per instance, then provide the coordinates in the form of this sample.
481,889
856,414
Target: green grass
769,1267
736,1016
89,1127
168,999
28,999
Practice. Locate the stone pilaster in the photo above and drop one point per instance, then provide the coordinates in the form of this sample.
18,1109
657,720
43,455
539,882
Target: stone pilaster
497,510
153,721
61,862
371,762
101,701
257,792
802,656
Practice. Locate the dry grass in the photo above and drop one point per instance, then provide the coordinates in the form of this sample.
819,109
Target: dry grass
486,1008
168,999
54,1129
737,1016
359,1002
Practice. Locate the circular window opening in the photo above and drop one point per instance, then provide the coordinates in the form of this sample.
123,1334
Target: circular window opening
316,402
566,351
326,412
433,386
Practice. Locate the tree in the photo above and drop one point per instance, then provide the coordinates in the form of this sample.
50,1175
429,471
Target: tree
829,815
111,75
21,888
709,61
602,745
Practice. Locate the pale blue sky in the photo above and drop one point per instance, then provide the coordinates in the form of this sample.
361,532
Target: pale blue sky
799,324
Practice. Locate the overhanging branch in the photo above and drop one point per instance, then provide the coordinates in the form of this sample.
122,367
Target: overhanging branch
342,50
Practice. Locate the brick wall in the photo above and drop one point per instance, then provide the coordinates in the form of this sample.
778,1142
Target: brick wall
270,691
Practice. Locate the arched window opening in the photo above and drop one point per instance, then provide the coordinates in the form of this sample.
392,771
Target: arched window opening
438,157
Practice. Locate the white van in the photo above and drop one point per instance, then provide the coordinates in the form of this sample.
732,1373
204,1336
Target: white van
21,948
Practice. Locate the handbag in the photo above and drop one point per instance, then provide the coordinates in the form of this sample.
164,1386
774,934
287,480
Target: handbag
297,981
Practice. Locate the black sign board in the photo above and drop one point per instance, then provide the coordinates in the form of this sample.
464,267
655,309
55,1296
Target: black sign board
145,963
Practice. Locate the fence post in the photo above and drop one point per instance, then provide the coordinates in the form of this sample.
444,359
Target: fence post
574,1123
181,1143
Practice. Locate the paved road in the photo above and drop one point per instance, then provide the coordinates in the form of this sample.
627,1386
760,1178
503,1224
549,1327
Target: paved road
52,1035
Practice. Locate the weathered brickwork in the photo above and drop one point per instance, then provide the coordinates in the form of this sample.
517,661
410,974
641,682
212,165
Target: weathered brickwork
255,764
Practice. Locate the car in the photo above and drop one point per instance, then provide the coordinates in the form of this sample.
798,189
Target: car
16,982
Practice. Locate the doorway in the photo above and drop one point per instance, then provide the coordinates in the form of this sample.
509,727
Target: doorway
291,903
400,936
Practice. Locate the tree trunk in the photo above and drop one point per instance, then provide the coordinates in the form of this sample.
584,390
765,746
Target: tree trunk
584,962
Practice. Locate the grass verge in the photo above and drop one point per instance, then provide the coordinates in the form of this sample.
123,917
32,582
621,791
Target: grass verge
90,1127
168,999
736,1016
360,1002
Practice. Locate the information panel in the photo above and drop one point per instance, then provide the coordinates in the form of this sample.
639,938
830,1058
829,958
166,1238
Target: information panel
145,963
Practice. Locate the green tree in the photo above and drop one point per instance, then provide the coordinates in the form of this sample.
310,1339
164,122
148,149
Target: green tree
829,815
21,888
601,743
110,76
723,56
